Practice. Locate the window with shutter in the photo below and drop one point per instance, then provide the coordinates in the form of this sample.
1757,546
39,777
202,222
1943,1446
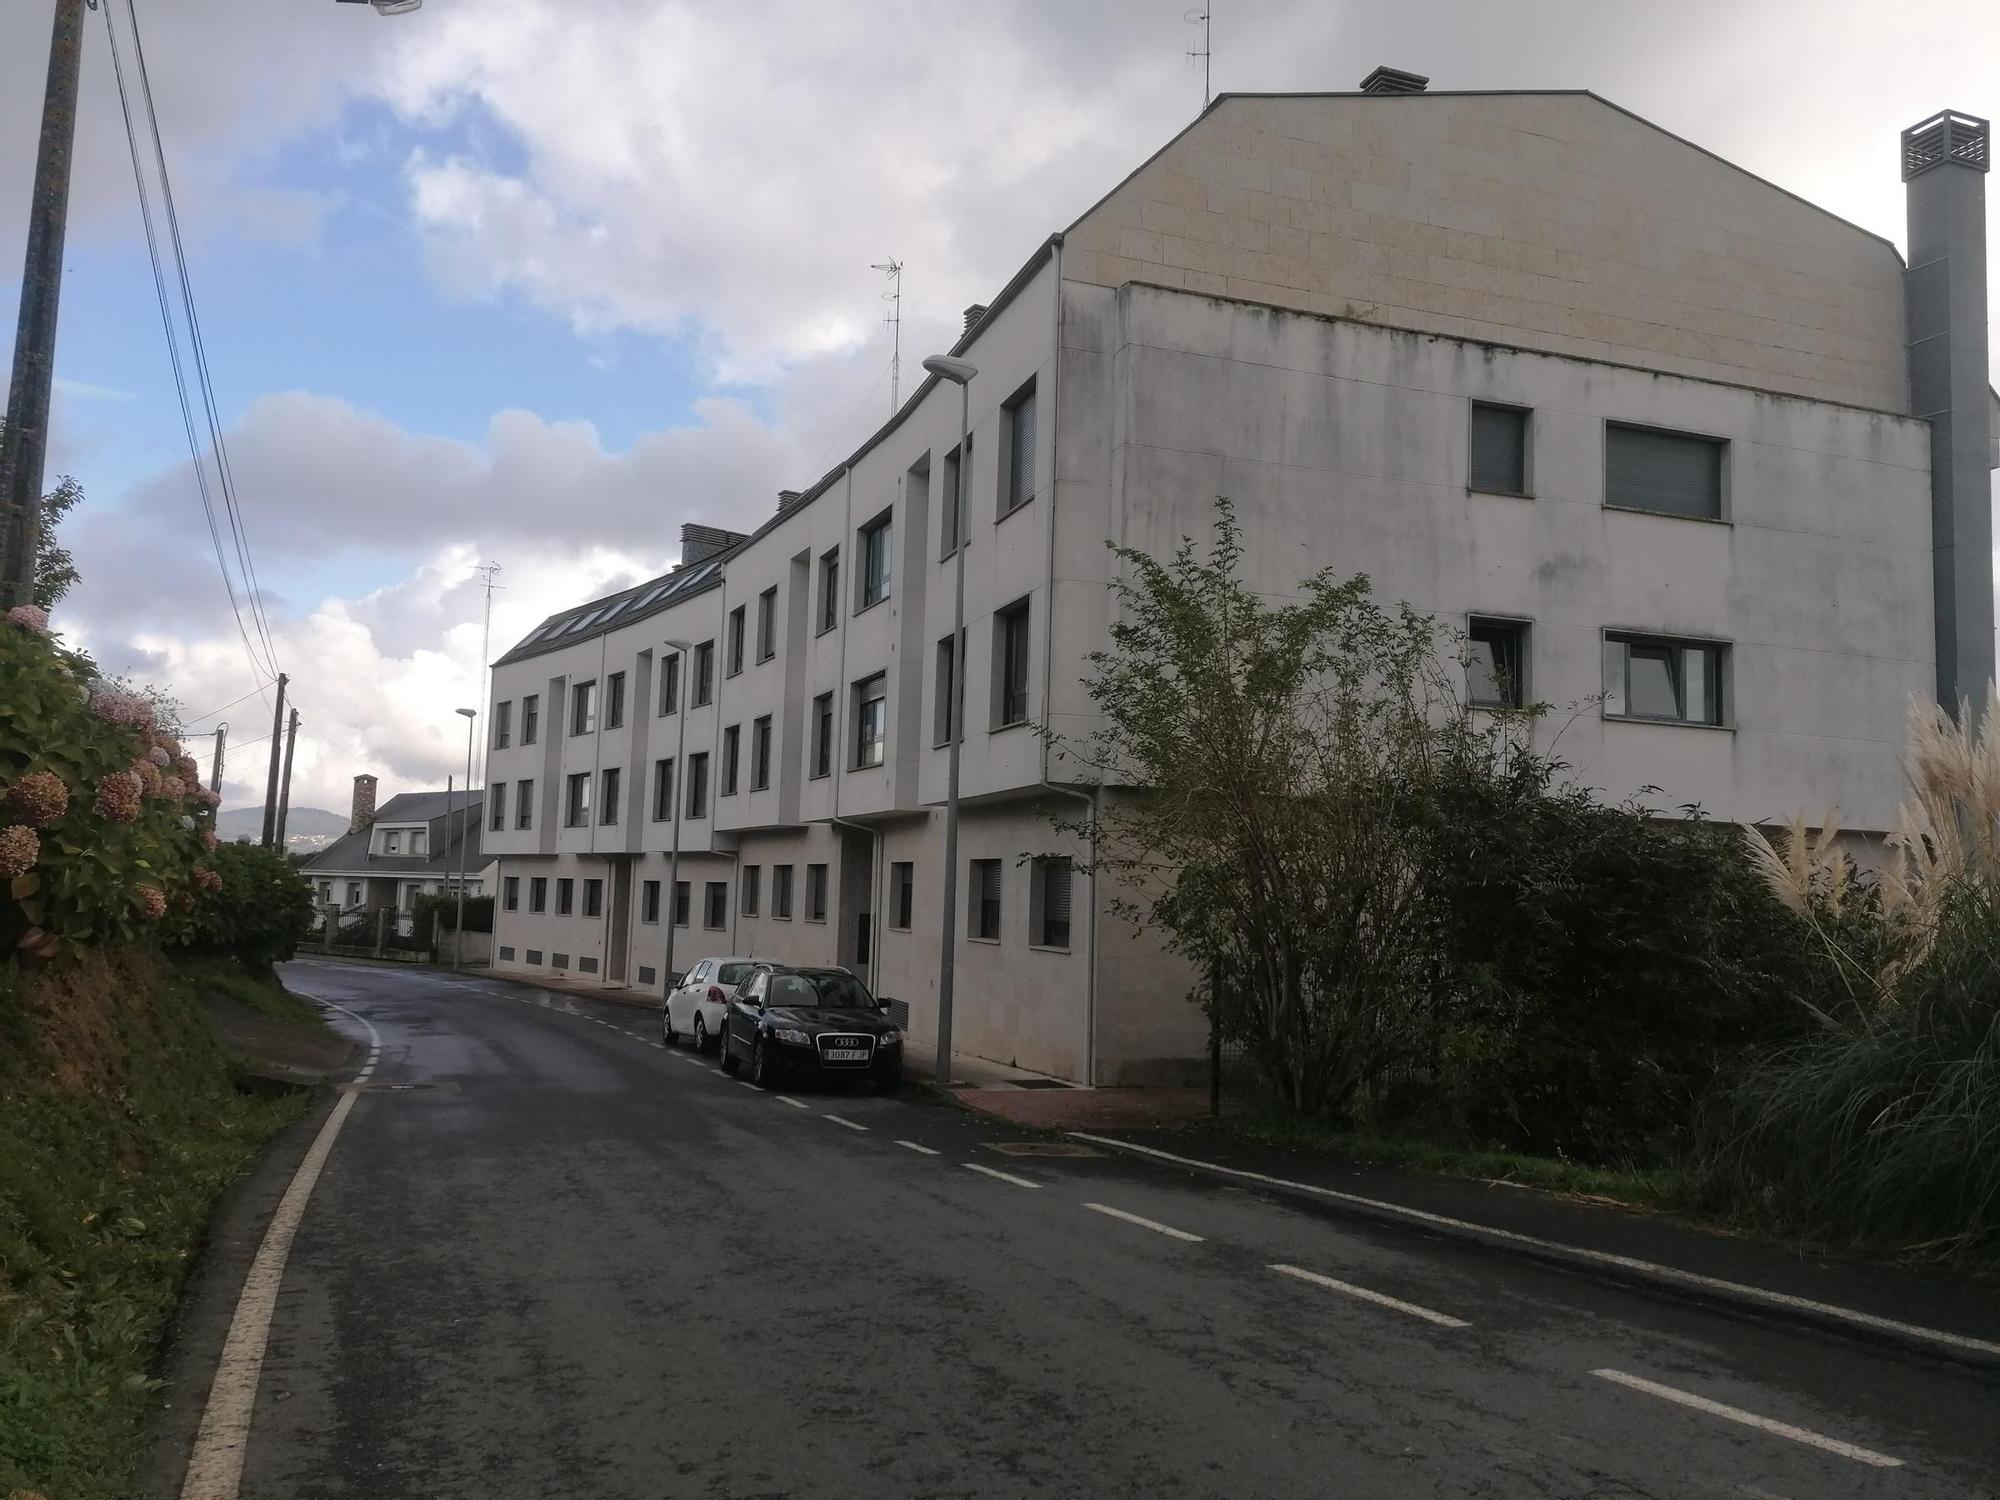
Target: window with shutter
1668,472
1020,452
1499,449
984,917
1050,918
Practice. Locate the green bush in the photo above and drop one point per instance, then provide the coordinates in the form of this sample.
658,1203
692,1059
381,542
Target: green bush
261,914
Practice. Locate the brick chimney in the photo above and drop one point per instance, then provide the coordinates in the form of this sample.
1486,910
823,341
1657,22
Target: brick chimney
364,803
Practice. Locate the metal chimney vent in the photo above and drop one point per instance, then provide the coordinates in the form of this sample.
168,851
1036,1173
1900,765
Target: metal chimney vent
973,314
1947,136
787,499
1394,81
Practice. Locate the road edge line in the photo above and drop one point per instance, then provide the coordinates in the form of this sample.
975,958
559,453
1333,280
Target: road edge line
1733,1296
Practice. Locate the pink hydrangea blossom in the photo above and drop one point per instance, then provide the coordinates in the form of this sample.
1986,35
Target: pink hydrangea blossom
115,707
158,756
29,617
208,839
187,770
207,798
37,799
151,901
149,777
20,847
118,797
172,788
207,879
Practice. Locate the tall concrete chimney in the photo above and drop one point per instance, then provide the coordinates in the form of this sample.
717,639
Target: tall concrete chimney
364,803
1945,161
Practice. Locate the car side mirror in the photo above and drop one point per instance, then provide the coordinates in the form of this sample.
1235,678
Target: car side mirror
884,1004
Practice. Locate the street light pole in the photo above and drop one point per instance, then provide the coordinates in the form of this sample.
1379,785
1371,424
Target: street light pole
960,373
464,834
680,650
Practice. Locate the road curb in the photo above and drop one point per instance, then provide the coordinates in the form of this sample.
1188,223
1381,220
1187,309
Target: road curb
1736,1298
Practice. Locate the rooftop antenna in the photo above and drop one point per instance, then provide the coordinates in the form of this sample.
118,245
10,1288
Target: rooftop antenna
893,268
1200,15
486,647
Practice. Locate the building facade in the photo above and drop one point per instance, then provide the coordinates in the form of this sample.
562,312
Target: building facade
1638,422
414,845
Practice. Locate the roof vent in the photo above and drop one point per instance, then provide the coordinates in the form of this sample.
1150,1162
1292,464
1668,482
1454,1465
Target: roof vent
699,543
973,314
1394,81
1949,136
787,499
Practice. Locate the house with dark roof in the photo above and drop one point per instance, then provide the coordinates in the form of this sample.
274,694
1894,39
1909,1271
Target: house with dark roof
414,844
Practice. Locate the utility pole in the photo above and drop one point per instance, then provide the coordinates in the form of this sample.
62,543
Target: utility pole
24,443
271,783
221,743
285,788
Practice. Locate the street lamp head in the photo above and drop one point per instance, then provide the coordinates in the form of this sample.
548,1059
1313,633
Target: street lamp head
678,645
957,371
468,712
396,7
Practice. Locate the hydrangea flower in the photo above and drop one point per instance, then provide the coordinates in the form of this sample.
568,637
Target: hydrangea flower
172,788
208,839
151,901
118,797
207,798
38,798
29,617
207,879
158,756
20,847
187,770
149,777
116,707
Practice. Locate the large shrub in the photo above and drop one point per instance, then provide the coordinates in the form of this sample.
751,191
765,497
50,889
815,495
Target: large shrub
103,837
261,913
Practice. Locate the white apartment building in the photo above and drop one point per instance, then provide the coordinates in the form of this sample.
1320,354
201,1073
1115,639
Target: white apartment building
1647,426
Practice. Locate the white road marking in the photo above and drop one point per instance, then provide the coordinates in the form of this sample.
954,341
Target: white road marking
1750,1419
788,1099
973,1166
745,1083
1600,1257
1349,1289
920,1150
839,1121
1153,1224
215,1469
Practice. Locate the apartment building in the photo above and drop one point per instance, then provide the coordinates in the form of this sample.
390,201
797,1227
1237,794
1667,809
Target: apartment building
1668,442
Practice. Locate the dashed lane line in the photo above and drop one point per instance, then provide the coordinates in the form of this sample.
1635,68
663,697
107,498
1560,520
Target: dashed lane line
920,1150
788,1099
1750,1419
840,1120
1153,1224
1347,1288
986,1171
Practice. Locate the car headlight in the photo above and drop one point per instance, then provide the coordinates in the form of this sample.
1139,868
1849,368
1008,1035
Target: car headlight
792,1037
890,1038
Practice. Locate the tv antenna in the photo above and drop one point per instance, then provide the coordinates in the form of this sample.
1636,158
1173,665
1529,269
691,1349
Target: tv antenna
1200,15
893,318
486,648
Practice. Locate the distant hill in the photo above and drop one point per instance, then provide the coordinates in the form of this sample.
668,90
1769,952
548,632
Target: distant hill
306,828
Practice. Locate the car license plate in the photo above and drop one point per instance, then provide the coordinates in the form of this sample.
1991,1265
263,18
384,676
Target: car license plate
846,1054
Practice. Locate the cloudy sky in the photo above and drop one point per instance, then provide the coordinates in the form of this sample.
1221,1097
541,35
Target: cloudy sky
534,281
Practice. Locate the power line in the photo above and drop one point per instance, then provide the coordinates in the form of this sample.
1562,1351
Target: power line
254,692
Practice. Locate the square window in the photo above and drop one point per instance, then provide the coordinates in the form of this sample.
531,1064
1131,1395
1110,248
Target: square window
871,720
1673,473
781,892
815,893
593,898
1647,677
1010,665
902,894
1048,896
982,918
875,539
1496,663
1499,462
565,896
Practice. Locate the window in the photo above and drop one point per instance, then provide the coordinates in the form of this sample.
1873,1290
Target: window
531,718
829,590
735,640
503,724
593,898
497,794
416,848
715,906
609,813
565,896
697,783
1010,665
1048,900
823,735
871,720
1496,663
781,892
392,843
752,882
732,741
511,893
1499,459
1674,681
950,694
670,684
614,700
760,754
875,539
524,804
663,789
583,708
680,903
902,893
1669,472
1017,485
704,673
649,901
576,812
326,890
951,504
815,893
538,893
982,918
767,624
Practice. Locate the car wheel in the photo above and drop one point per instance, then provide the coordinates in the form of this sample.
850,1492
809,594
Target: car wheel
702,1043
730,1062
763,1066
668,1035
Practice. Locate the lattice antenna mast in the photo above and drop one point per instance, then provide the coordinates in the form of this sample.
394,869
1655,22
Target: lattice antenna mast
893,318
1201,15
486,650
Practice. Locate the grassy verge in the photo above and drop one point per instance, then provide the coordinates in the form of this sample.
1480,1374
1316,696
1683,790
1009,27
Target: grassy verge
119,1126
261,993
1640,1188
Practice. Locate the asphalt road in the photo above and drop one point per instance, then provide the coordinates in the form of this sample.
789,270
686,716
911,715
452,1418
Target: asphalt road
547,1257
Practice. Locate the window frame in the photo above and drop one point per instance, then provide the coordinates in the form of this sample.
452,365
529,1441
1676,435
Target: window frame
538,894
576,800
1720,446
531,717
874,546
902,894
1010,500
704,674
782,891
670,684
663,789
760,753
496,814
823,729
715,906
767,624
829,591
816,892
750,889
732,757
614,701
1522,633
955,500
733,655
683,902
524,805
1039,870
1526,415
565,895
582,708
1004,621
503,724
510,893
1715,686
608,796
696,781
649,902
871,691
947,682
593,895
976,901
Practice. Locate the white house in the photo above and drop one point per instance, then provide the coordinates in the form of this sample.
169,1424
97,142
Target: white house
408,847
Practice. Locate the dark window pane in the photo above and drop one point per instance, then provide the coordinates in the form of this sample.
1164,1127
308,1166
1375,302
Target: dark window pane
1499,449
1663,471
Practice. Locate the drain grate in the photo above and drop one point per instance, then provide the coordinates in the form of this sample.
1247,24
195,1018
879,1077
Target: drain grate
1041,1148
1041,1083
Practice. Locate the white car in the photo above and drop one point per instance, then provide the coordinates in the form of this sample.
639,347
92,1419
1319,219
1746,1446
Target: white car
697,1006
